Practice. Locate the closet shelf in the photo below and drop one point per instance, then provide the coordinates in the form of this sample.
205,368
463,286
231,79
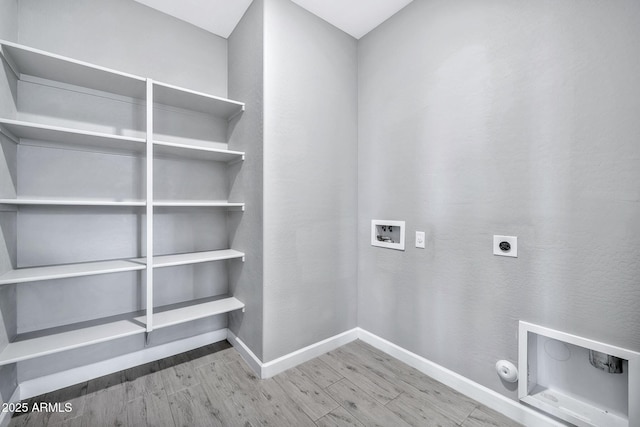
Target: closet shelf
34,62
64,338
72,137
193,258
199,203
61,271
55,340
198,152
175,96
35,201
170,317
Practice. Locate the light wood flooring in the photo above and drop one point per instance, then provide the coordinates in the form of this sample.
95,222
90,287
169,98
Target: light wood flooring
355,385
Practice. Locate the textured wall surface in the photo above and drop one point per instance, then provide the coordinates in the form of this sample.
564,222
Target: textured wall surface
130,37
8,31
310,194
246,84
498,117
8,20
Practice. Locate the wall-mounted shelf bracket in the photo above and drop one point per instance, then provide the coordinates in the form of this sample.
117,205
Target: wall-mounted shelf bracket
8,134
12,65
233,162
233,116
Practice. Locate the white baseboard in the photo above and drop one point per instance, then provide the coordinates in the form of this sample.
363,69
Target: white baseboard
245,352
41,385
281,364
5,417
307,353
510,408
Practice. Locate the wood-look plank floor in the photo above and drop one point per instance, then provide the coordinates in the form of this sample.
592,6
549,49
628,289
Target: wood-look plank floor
355,385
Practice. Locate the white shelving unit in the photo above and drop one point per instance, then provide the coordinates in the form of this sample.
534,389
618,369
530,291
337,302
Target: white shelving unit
30,65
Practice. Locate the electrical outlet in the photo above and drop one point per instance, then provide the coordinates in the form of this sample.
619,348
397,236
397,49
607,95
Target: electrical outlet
420,239
505,246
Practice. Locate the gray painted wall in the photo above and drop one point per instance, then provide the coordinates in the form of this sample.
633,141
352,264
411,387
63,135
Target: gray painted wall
498,117
127,36
246,83
8,31
8,21
310,181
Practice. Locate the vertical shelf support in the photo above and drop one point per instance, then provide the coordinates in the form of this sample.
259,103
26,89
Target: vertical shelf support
149,211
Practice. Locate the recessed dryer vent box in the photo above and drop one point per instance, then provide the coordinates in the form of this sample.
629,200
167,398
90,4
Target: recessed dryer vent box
387,234
582,381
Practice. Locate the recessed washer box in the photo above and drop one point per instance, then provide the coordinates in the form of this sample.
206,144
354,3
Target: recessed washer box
557,376
387,234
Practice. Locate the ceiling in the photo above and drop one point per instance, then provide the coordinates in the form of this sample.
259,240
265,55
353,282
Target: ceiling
217,16
355,17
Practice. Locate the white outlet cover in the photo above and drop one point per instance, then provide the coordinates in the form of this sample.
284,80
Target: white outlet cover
513,242
420,239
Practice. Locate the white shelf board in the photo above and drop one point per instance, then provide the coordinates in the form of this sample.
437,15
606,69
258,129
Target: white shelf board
35,201
62,271
72,137
571,409
198,203
199,152
195,257
163,319
175,96
68,339
38,63
33,274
